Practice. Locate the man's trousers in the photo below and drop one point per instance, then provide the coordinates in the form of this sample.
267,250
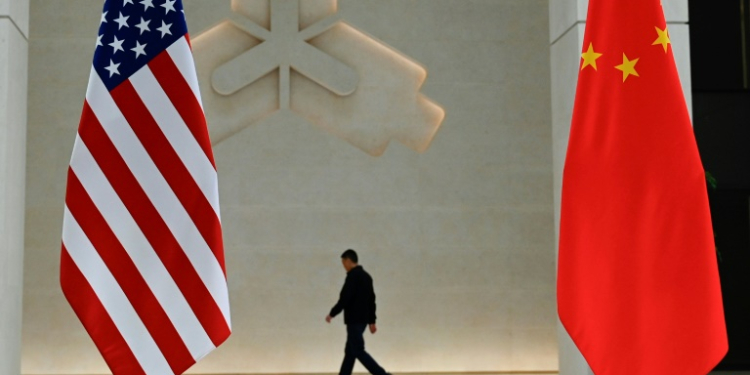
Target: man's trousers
355,350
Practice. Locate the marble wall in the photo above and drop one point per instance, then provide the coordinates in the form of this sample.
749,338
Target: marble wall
459,237
14,29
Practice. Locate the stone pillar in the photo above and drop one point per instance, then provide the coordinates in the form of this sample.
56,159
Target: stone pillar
14,20
567,20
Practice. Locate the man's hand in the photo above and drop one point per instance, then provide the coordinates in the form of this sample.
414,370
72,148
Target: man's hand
373,328
328,318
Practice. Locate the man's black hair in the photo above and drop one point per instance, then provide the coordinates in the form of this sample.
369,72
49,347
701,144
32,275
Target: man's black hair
351,255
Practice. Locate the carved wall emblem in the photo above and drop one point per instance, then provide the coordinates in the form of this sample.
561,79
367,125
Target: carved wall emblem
300,56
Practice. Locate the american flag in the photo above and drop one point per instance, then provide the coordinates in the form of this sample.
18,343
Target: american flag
142,260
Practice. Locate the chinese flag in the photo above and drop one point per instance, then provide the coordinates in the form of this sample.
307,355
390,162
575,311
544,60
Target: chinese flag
638,283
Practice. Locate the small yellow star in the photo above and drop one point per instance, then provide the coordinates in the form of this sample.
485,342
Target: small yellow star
627,67
663,38
589,57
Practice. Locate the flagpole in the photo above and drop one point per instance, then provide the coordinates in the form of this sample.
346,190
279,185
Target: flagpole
567,22
13,87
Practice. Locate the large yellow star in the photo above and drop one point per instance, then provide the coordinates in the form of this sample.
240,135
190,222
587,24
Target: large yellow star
663,38
589,57
627,67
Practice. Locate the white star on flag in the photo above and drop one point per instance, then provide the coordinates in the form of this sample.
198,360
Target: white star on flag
139,49
113,68
122,21
116,45
147,4
143,26
165,29
168,6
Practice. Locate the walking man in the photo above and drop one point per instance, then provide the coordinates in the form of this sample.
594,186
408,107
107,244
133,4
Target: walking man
357,300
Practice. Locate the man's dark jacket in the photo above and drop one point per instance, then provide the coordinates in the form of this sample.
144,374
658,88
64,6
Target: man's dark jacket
357,298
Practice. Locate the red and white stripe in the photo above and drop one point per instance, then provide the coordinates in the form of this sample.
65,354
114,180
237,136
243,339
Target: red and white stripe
142,259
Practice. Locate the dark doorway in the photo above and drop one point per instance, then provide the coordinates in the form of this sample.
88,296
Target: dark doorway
720,49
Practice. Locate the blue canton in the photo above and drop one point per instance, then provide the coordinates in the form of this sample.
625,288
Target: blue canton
132,32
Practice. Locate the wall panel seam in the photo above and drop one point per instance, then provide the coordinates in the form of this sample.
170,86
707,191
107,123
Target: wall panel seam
12,21
564,33
571,27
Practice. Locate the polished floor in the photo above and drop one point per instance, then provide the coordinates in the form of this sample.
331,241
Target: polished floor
493,373
486,373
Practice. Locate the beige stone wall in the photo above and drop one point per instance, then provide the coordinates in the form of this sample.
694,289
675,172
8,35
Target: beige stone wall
459,238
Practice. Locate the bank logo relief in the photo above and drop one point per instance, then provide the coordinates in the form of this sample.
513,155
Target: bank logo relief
300,56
